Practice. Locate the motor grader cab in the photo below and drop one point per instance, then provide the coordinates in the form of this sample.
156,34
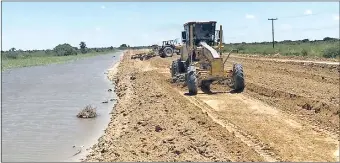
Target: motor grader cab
200,64
168,48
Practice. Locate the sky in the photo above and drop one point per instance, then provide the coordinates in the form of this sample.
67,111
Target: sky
44,25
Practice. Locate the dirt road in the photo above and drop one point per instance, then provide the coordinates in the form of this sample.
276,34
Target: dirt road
288,112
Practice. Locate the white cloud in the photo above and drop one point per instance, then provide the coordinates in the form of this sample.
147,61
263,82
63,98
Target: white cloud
248,16
98,29
308,12
336,17
103,7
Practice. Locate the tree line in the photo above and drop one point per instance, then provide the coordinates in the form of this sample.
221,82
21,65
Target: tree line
66,49
327,47
60,50
63,50
293,42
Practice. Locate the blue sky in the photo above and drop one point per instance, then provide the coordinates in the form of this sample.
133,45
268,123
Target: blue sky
43,25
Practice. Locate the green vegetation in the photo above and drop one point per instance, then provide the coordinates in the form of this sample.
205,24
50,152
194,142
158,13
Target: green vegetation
60,54
326,48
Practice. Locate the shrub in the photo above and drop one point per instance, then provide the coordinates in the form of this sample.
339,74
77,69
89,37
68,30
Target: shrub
87,112
304,52
331,52
64,50
291,52
11,55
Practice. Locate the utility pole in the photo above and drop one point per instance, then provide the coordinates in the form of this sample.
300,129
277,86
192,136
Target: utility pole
273,28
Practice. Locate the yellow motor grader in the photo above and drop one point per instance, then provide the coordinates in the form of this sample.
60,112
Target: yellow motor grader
200,64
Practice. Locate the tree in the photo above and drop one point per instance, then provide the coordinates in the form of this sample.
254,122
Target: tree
64,50
329,39
123,46
82,47
287,41
305,40
48,51
12,49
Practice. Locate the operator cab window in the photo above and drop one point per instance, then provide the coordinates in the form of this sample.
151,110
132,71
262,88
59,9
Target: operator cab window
204,32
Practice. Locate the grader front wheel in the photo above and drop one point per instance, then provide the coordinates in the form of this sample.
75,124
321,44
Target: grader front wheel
174,69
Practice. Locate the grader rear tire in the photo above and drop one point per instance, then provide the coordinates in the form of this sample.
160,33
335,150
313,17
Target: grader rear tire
192,80
238,77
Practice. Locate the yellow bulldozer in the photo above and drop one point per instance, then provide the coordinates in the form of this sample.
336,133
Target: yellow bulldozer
200,64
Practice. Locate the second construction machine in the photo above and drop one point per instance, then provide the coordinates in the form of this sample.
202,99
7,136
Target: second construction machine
168,48
200,64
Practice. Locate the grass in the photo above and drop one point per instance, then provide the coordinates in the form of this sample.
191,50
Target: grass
37,59
322,49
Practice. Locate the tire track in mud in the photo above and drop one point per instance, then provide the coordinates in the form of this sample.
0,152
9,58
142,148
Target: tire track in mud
286,124
298,103
308,91
287,140
257,145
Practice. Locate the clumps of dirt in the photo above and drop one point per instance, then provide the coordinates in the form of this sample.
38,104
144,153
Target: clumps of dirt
121,90
133,76
337,112
307,106
157,95
272,93
179,78
158,128
87,112
315,106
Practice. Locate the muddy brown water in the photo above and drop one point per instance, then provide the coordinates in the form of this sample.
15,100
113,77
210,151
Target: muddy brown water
39,107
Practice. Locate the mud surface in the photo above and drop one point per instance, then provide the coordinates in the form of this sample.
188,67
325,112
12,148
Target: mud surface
288,112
